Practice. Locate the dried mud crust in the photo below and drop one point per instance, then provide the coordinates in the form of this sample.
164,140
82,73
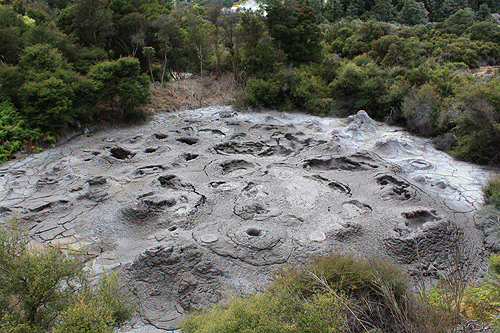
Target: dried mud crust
197,203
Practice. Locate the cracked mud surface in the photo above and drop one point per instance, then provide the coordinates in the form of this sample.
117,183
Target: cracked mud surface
195,204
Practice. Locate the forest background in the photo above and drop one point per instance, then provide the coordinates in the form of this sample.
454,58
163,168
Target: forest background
66,65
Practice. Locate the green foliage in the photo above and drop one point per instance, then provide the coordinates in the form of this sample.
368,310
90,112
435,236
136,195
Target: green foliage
119,87
85,316
491,193
420,108
305,86
48,104
478,302
459,22
414,12
477,123
494,264
98,310
48,94
90,20
41,58
42,288
262,93
112,292
35,284
280,311
295,31
258,56
313,298
347,84
14,134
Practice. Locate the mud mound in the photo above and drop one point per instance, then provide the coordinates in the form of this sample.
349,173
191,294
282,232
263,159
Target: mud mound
172,278
426,239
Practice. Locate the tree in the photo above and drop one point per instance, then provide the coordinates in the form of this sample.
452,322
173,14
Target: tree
384,10
420,108
131,32
414,12
196,32
332,10
348,84
44,289
214,13
119,87
483,13
257,53
11,45
294,30
11,78
49,94
149,52
90,20
459,22
450,7
487,31
170,42
48,104
12,27
229,19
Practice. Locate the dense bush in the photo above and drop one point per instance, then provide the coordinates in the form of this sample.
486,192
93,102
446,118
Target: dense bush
329,295
43,288
98,310
119,87
420,108
43,97
271,312
14,133
492,191
63,64
85,315
35,284
342,293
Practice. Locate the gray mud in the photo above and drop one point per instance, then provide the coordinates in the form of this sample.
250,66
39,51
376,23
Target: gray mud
193,205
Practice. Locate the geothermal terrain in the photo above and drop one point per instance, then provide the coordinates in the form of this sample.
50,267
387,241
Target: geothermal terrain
194,205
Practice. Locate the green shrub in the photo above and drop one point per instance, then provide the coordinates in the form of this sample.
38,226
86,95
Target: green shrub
272,311
48,104
41,58
116,296
306,86
99,309
15,134
42,288
119,87
49,93
420,109
479,301
491,191
262,93
42,281
331,294
85,316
